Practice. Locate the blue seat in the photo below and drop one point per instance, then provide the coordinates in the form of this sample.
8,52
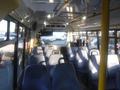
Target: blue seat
81,61
35,59
6,75
36,77
118,80
71,55
113,69
64,78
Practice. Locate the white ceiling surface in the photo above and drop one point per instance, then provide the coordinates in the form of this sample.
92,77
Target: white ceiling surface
39,6
38,12
94,22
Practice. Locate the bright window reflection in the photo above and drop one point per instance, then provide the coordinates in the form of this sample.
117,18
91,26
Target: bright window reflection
58,38
118,46
111,49
3,30
111,33
12,31
118,34
7,52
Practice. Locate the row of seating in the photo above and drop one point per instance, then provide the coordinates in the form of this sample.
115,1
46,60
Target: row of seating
84,65
53,55
113,71
39,77
36,57
80,58
36,77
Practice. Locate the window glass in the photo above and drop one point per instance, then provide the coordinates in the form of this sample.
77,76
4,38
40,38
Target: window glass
20,55
92,42
21,37
82,35
92,34
3,30
12,31
118,46
21,32
20,48
99,33
7,52
118,34
58,38
111,33
111,47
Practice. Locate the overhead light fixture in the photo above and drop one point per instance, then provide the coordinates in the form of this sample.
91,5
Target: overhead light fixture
67,9
51,1
22,20
67,23
26,16
84,18
71,9
45,23
12,12
48,16
28,21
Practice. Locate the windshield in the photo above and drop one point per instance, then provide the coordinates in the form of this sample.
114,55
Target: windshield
58,38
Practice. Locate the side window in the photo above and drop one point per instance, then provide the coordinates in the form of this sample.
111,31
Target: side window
92,40
20,48
21,37
7,52
111,48
12,31
3,30
118,42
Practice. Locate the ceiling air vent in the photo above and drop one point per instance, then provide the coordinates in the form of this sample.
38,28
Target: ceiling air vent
40,1
51,26
48,1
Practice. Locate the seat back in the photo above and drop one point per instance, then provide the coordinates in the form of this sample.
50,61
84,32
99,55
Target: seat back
112,64
81,61
36,59
39,50
36,77
70,53
54,59
6,75
113,60
64,78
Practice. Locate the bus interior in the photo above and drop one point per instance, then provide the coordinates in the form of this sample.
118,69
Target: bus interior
60,45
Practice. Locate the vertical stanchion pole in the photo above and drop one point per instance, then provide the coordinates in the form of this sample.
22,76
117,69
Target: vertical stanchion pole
24,49
97,33
104,44
15,61
8,29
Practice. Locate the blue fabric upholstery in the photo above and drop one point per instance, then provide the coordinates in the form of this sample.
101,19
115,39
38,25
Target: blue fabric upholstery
64,78
83,66
113,69
35,59
6,76
118,80
36,77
